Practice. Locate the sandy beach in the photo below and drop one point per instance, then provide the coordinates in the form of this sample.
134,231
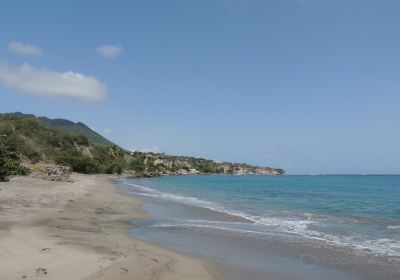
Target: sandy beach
79,230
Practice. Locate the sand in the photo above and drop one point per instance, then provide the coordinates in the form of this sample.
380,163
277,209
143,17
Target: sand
79,230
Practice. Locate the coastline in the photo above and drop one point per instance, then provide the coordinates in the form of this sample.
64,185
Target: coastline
239,248
80,230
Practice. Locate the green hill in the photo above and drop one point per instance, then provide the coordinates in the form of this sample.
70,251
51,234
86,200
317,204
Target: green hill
32,140
77,129
70,127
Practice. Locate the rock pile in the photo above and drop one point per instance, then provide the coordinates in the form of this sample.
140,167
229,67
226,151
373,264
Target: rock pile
54,173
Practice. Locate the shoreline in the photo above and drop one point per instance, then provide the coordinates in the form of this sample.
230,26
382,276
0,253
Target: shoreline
173,225
80,230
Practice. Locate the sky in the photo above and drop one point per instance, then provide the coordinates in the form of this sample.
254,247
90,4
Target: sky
310,86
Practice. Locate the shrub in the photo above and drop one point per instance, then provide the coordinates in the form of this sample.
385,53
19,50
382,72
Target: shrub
78,162
33,156
15,168
137,165
4,173
82,140
114,167
151,167
9,162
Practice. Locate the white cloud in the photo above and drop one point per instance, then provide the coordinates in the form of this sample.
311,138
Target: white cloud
109,51
55,84
24,48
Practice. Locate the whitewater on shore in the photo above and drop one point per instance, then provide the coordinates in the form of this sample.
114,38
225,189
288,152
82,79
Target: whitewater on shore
298,218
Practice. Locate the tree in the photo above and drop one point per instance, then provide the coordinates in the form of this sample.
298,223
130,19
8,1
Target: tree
114,151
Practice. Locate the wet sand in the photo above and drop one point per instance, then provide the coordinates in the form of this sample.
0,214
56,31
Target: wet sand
80,231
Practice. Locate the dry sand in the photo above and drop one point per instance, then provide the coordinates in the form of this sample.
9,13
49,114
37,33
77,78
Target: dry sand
79,230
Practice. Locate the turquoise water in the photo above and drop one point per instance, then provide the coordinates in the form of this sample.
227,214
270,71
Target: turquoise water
359,212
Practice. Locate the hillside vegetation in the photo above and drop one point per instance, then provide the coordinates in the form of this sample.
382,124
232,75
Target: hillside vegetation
34,140
70,127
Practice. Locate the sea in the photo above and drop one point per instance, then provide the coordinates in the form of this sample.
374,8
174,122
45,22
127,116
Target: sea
277,227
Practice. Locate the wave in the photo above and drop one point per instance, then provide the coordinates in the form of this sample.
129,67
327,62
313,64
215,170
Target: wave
393,227
189,200
290,225
383,247
267,225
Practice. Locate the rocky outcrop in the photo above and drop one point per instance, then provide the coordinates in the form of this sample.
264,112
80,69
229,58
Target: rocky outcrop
165,164
141,174
53,173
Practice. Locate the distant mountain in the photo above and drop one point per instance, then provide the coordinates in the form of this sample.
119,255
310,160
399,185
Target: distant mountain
77,129
73,128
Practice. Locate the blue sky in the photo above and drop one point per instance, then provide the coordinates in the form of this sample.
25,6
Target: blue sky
311,86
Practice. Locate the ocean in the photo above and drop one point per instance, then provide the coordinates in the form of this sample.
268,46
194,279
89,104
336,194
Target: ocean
346,222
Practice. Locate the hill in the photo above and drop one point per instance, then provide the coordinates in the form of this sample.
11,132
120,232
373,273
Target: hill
75,145
35,141
77,129
73,128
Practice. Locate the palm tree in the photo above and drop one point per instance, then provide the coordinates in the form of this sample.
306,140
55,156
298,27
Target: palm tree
114,151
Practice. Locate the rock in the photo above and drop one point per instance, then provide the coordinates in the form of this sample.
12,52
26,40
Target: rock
54,173
143,174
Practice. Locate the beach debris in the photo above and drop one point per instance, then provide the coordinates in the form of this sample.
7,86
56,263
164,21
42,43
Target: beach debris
54,173
124,269
40,272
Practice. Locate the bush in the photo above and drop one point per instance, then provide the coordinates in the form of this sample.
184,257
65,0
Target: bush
151,167
55,140
78,162
114,167
137,165
33,156
9,162
82,140
15,168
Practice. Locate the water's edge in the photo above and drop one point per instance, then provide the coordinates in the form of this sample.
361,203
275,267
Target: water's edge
248,257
